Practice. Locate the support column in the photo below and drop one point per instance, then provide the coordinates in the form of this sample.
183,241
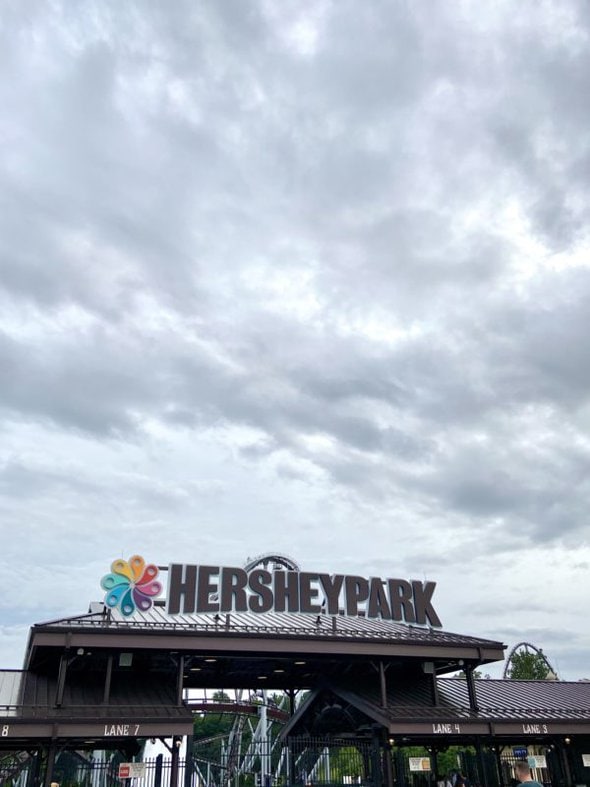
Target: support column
291,695
387,765
174,761
480,762
498,759
158,771
382,685
434,690
188,763
50,764
434,760
564,754
107,680
61,678
471,689
400,767
35,769
180,680
291,762
377,781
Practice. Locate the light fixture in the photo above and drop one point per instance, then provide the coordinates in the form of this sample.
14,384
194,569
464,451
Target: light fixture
278,670
195,669
210,661
262,677
299,663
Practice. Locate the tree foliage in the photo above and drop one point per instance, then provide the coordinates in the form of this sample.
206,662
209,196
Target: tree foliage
528,665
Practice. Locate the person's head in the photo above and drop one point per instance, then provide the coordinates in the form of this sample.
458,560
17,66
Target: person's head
523,770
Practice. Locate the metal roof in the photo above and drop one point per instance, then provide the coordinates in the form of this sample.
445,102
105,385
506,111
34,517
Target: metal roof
504,706
519,699
497,700
269,625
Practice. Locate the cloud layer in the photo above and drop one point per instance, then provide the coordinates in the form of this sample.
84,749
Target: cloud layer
304,276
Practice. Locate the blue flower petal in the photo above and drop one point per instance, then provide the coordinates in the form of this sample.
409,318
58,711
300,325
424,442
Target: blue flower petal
109,581
114,596
127,605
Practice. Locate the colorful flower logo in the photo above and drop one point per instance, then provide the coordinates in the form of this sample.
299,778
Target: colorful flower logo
131,585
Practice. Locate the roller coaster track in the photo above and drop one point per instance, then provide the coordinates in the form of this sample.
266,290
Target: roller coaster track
12,766
262,742
237,709
527,647
278,561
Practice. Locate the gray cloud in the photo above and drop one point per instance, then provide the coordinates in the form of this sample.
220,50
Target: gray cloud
312,263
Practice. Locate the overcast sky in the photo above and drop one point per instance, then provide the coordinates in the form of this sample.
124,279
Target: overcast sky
309,277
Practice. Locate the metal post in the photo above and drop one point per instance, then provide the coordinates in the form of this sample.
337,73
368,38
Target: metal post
35,769
376,761
400,768
383,685
180,681
174,764
387,764
158,771
471,689
107,680
480,762
290,762
61,678
50,764
434,770
563,750
434,690
291,695
264,764
188,762
499,766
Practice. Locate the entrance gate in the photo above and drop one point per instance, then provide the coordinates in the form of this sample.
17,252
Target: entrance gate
302,762
354,668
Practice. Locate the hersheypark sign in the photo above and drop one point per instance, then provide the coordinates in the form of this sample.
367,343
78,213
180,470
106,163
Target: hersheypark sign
133,584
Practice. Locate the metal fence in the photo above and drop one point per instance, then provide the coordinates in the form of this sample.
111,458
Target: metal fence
315,761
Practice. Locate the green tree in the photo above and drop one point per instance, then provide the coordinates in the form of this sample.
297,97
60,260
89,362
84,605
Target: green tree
211,731
529,665
477,674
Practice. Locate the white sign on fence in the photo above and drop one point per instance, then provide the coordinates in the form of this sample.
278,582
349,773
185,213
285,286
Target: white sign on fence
537,761
131,770
419,763
586,760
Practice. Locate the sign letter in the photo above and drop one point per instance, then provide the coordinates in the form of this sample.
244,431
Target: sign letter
422,604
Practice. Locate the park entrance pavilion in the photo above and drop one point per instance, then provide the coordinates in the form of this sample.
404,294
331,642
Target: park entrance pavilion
373,702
